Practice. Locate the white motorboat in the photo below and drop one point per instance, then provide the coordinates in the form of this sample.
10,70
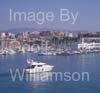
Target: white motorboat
22,50
35,67
47,53
1,52
11,51
7,51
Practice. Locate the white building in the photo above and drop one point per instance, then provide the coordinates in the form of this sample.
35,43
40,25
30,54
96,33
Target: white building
90,45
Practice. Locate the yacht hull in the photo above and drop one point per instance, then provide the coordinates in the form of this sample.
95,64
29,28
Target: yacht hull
38,70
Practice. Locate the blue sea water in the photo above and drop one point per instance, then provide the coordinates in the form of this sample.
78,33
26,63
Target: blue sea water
75,63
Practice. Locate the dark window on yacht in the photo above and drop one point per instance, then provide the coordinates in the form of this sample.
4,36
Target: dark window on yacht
39,65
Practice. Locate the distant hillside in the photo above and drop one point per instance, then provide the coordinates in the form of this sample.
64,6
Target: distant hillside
16,30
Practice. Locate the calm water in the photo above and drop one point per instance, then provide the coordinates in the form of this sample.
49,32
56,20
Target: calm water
74,63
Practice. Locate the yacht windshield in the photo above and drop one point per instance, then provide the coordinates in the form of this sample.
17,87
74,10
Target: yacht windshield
33,66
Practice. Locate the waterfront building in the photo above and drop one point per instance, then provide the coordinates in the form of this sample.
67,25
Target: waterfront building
90,43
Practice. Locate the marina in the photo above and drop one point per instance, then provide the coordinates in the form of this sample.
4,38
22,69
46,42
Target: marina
82,48
48,43
38,63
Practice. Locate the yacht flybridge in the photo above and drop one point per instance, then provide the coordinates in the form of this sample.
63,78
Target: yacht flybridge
35,67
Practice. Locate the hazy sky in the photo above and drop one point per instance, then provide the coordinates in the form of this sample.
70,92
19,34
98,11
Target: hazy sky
88,18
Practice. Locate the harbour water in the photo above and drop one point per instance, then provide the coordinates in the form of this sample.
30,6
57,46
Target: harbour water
73,63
